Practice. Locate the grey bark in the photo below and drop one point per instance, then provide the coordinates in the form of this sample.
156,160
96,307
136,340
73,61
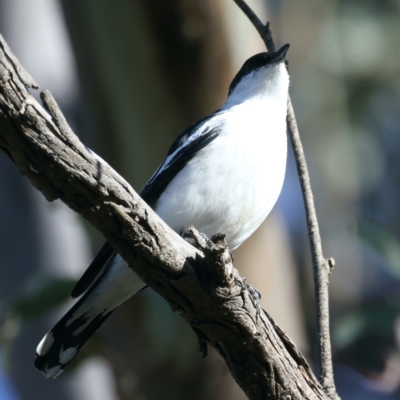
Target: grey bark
203,288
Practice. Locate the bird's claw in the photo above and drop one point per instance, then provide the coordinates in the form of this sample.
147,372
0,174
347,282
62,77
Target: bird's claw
255,294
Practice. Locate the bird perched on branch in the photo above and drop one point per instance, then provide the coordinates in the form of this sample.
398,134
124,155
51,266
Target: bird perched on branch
222,174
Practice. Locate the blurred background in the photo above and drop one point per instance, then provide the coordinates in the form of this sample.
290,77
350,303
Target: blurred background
130,75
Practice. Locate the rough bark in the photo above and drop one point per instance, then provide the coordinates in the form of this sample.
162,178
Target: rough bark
202,286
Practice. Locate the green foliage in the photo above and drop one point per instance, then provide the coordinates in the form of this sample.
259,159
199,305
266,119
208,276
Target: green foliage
41,295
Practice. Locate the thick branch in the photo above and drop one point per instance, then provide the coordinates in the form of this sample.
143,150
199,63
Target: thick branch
206,290
321,266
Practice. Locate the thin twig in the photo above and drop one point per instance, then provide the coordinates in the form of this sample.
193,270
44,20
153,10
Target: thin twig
262,29
321,266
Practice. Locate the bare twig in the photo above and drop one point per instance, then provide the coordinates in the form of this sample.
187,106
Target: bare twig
262,29
321,266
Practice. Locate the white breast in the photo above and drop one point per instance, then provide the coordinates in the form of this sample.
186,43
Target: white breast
232,184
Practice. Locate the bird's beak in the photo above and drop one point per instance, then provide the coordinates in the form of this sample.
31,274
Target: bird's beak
279,55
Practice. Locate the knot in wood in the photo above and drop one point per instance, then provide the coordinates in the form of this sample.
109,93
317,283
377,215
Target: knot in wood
218,269
219,261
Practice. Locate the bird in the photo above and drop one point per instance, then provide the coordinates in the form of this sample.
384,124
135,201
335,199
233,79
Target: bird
222,174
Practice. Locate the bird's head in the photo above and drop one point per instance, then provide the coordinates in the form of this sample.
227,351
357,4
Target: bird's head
264,74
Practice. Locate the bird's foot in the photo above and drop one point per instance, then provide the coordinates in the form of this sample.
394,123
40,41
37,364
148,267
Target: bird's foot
255,294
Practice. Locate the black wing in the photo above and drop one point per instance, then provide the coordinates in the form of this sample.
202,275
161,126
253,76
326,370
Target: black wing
185,147
95,268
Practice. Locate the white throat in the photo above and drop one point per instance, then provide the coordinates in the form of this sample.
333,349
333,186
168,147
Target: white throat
268,84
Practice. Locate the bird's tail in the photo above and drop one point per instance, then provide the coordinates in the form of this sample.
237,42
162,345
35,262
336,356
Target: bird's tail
64,341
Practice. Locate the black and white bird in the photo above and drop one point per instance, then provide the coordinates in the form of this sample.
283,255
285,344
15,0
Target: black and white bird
222,174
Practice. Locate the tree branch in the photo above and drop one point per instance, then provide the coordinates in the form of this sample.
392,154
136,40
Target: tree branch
203,286
322,267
